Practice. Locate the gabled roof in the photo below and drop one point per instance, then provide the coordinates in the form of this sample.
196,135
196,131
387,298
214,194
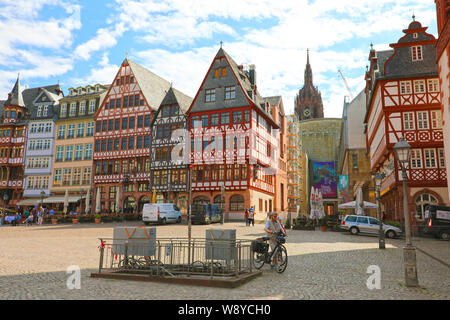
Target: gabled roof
52,96
153,86
174,96
243,82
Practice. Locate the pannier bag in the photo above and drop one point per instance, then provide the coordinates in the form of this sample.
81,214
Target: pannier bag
260,246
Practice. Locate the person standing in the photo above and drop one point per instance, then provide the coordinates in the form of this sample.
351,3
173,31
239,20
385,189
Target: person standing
246,217
40,216
251,216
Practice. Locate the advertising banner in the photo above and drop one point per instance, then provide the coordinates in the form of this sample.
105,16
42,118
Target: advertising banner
343,194
324,179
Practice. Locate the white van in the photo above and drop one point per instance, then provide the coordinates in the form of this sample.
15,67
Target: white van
160,213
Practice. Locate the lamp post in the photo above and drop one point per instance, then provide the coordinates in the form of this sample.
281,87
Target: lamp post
403,152
81,199
42,197
381,239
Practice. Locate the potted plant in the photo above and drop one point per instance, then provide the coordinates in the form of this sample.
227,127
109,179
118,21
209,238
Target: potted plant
324,223
98,218
54,220
75,220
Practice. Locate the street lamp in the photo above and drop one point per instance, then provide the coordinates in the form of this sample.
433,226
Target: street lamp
378,179
403,153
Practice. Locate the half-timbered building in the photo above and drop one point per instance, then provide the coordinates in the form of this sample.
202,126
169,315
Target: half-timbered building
168,165
233,141
122,137
402,90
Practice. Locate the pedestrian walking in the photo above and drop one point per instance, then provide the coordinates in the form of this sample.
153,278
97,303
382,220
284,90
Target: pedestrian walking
251,216
246,217
40,216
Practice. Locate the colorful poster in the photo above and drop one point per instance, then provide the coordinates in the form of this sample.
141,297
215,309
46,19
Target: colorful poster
343,194
324,179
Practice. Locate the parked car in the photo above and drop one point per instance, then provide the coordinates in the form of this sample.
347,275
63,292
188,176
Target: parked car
437,221
356,224
206,213
160,213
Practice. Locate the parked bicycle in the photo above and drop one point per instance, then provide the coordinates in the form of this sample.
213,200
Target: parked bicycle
261,254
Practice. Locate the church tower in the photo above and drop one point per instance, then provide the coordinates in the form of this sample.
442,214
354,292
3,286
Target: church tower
308,101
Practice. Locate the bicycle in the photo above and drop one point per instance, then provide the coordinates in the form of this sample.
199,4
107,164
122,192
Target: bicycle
261,254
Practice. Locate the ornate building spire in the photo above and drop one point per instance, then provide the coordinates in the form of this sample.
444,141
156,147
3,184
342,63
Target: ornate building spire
15,96
308,102
308,71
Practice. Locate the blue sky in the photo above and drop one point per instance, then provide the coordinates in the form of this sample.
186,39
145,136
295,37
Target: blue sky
84,42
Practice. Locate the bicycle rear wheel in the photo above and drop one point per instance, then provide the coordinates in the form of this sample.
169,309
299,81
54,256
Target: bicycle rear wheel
282,258
258,259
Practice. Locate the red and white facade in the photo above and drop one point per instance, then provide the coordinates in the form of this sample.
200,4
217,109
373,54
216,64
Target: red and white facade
406,104
234,141
122,138
443,59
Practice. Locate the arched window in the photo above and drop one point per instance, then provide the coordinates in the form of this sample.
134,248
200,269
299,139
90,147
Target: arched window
129,205
219,200
201,200
422,201
237,203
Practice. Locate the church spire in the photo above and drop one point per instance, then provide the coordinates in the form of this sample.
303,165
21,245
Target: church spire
308,71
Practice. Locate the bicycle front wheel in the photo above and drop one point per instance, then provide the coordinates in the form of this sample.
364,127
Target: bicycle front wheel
258,259
282,259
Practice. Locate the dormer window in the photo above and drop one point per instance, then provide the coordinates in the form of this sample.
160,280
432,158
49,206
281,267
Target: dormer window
415,35
63,111
416,52
39,111
72,92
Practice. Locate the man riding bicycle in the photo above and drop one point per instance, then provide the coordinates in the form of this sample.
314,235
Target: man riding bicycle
273,228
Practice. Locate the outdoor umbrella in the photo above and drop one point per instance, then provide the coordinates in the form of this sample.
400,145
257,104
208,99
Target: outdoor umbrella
321,213
359,202
352,205
312,198
66,201
87,200
97,201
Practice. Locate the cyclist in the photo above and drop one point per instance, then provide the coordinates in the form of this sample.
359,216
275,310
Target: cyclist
273,227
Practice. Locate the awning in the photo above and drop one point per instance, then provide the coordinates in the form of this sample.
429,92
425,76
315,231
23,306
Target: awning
61,199
29,202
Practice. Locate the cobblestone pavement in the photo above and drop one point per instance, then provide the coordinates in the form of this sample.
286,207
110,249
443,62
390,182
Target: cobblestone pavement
322,265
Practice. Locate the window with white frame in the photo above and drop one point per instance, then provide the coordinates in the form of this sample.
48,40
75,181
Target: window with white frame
419,86
436,119
405,87
69,153
82,107
430,158
416,52
59,153
48,127
88,152
422,202
416,158
91,107
433,85
210,95
63,110
408,120
80,131
90,129
57,177
79,152
86,175
71,131
45,182
62,131
441,157
422,120
45,111
73,109
39,111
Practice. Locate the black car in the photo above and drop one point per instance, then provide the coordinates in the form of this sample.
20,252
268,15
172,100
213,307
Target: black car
437,221
205,213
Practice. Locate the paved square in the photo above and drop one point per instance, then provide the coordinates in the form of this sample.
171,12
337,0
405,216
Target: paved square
322,265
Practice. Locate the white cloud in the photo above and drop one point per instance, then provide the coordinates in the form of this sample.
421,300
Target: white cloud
104,74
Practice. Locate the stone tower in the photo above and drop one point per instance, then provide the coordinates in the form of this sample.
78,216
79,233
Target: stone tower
308,101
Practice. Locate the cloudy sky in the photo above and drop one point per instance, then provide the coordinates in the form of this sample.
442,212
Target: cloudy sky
84,42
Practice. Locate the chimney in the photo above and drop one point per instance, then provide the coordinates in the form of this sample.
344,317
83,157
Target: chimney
252,75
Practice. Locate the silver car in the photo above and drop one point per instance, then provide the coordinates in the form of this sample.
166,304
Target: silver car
356,224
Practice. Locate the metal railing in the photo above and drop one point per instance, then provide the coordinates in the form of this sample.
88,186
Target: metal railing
176,257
